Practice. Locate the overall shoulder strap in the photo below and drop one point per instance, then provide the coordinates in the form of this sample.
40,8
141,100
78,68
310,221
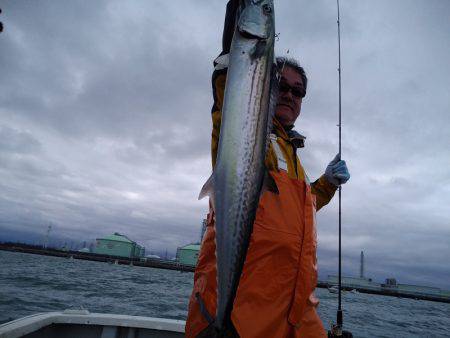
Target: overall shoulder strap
282,164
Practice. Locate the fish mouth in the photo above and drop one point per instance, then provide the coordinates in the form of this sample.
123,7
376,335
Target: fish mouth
251,36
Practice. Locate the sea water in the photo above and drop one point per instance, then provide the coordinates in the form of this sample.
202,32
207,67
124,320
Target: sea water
33,283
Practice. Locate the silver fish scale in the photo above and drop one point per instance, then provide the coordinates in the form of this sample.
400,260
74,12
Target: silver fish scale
242,179
239,170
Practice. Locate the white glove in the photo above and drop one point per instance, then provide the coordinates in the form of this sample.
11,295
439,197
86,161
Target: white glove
337,171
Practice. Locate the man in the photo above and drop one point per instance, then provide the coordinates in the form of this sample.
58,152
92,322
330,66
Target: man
275,296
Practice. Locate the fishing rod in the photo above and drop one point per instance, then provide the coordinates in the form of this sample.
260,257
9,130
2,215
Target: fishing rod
339,312
1,23
336,330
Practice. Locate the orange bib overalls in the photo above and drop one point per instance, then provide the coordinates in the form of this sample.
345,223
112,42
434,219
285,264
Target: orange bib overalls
275,297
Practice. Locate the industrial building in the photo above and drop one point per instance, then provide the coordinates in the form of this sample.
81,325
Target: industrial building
188,254
389,287
355,282
118,245
391,284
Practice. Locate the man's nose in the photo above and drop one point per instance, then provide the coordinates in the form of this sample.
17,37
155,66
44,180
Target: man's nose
287,94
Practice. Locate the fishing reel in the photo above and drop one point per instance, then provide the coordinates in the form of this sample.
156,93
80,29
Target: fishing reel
336,329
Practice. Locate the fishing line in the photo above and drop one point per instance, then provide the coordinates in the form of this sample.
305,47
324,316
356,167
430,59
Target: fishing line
284,64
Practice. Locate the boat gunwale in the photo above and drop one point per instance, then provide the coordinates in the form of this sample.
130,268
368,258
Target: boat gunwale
25,325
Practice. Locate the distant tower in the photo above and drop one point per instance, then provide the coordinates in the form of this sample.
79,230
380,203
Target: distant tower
203,230
361,268
47,235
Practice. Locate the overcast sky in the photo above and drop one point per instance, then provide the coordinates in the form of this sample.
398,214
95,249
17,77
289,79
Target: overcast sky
105,123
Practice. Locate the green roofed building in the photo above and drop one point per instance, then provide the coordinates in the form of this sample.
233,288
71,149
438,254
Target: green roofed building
118,245
188,254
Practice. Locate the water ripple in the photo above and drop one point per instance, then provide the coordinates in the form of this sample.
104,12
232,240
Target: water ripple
33,283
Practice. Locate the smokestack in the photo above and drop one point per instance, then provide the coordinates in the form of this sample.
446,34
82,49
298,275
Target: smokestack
361,267
47,235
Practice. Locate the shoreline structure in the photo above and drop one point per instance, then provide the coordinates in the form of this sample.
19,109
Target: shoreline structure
362,285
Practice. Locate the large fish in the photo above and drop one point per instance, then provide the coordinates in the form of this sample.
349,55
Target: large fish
239,174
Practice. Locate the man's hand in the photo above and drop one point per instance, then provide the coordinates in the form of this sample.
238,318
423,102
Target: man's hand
337,172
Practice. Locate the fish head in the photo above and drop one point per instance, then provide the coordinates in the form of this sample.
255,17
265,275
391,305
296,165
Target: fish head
257,19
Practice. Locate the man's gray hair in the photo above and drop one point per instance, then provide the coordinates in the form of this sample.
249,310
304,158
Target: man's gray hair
294,64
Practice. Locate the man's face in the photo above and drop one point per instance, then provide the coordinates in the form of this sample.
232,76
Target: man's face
289,104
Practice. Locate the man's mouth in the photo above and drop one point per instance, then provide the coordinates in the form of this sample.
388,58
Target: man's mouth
285,104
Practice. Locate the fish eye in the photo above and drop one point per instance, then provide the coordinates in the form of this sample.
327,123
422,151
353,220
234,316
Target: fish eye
267,9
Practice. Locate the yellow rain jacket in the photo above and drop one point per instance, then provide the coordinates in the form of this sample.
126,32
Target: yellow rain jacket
275,296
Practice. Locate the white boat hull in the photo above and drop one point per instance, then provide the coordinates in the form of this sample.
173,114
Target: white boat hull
83,324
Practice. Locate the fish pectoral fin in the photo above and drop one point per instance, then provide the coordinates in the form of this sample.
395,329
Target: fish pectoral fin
208,188
269,184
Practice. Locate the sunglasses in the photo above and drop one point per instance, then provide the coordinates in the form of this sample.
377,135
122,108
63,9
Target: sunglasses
296,91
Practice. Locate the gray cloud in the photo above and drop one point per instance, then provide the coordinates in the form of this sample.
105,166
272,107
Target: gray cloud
16,141
105,125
